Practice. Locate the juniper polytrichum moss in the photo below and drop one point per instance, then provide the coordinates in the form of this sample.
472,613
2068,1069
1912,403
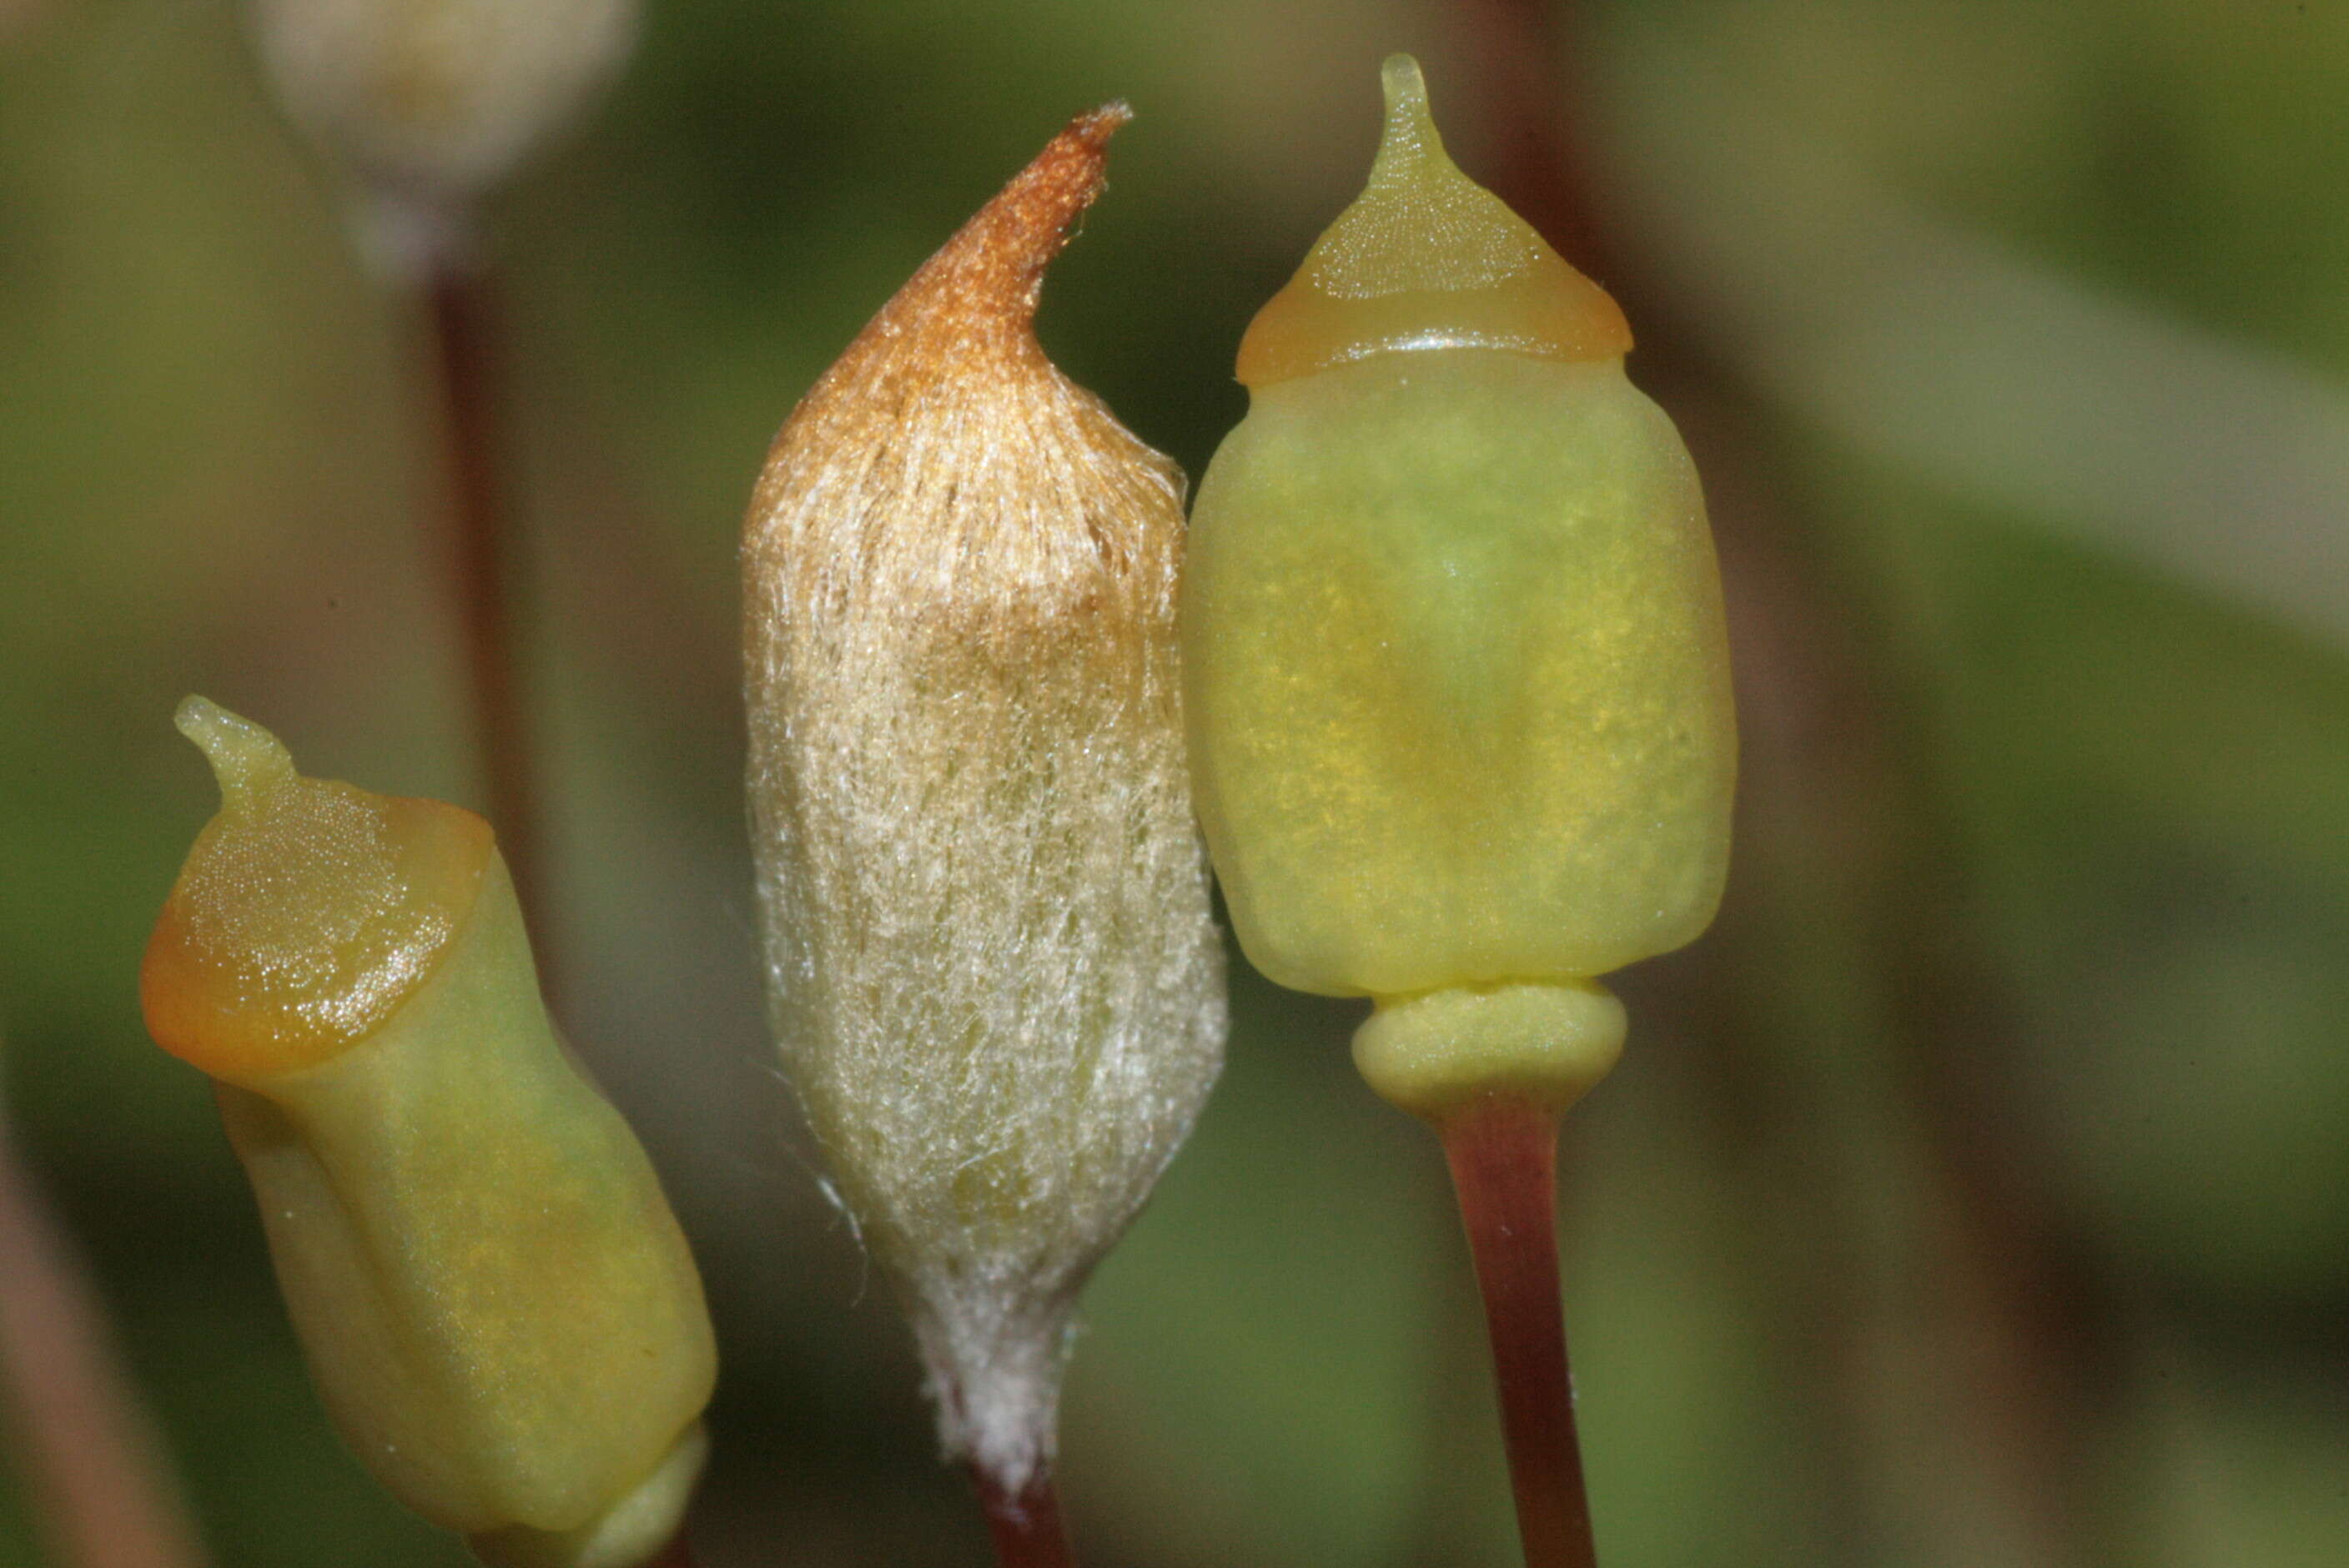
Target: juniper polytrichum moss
1448,686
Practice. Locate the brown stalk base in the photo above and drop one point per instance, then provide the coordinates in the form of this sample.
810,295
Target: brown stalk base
1026,1528
90,1456
1504,1158
461,307
677,1554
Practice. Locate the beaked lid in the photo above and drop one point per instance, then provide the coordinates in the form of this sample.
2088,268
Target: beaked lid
307,911
1426,258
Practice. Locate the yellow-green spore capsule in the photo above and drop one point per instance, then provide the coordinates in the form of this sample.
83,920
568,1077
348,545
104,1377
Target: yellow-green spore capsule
1455,671
496,1304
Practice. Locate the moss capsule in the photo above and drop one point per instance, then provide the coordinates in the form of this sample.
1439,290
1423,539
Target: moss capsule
990,959
496,1304
1457,675
439,97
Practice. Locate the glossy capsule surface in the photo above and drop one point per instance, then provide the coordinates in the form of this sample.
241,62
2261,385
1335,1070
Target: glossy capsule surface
494,1301
1457,674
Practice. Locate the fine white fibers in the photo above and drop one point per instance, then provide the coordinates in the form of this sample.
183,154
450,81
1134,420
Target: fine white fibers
991,969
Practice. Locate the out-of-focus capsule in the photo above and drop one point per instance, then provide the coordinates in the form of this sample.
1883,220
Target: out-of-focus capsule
1457,675
439,99
496,1304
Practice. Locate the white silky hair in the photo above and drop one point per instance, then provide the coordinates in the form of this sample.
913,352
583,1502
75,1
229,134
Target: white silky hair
992,970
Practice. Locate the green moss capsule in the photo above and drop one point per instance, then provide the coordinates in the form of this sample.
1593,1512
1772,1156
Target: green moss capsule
496,1304
1455,670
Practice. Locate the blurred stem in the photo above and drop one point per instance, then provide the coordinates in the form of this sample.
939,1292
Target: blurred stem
460,302
1025,1527
100,1490
1504,1159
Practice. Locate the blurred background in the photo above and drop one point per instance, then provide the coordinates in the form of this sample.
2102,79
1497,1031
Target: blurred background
1976,1194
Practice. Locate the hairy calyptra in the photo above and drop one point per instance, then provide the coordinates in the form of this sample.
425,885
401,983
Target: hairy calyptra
990,964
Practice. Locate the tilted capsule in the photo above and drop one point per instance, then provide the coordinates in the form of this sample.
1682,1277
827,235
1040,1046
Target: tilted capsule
1457,674
496,1304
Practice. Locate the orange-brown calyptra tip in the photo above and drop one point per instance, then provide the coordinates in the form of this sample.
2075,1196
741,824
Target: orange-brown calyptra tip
944,440
985,280
1426,258
306,912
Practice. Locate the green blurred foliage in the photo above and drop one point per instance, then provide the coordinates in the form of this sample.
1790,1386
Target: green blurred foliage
2121,737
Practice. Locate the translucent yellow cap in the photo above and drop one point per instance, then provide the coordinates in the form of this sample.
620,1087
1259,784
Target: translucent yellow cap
1426,258
306,912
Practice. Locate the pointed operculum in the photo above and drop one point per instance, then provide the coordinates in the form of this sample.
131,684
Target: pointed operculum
1426,258
305,913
